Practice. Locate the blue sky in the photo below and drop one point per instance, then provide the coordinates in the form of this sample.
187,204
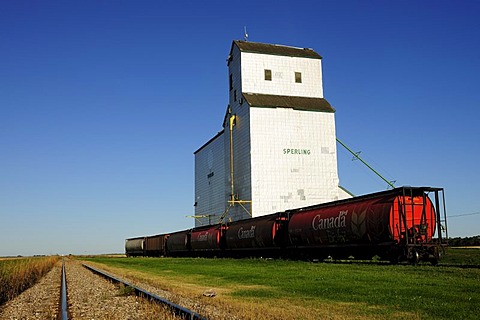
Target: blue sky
102,104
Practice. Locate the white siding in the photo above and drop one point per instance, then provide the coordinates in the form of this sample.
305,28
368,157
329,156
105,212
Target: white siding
293,156
242,162
283,75
343,194
235,71
241,143
210,182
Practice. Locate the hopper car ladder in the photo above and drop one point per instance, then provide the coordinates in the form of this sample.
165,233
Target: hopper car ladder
420,242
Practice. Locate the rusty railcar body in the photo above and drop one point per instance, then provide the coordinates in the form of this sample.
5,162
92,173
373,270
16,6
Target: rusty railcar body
155,245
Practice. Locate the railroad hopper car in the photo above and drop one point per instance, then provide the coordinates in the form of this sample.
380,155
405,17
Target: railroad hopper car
155,245
135,247
402,224
396,225
207,241
178,244
261,236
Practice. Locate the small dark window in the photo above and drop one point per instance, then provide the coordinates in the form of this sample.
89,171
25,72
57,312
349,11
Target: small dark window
298,77
230,82
234,95
268,75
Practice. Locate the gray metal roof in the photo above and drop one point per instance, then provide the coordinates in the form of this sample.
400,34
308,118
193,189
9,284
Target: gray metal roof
209,141
275,49
298,103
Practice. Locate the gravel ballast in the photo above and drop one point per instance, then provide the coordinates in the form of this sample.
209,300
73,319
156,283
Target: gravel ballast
38,302
89,297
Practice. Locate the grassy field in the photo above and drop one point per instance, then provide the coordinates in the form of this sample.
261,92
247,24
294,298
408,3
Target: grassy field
18,274
462,256
276,289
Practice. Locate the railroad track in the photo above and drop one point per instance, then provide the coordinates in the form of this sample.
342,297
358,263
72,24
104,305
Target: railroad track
63,306
177,310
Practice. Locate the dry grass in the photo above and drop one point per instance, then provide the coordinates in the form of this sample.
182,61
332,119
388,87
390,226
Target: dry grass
250,308
17,275
150,311
258,289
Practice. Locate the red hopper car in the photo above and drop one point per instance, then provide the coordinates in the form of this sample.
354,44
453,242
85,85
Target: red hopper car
402,224
397,224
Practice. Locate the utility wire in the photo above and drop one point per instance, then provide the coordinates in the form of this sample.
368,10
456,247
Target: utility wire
464,214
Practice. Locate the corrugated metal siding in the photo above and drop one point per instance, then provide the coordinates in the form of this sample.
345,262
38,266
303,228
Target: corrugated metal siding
210,181
241,143
242,165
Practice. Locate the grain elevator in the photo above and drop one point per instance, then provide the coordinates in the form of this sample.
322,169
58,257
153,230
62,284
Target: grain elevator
277,149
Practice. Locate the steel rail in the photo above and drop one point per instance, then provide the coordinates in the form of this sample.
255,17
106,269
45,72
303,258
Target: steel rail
63,312
175,308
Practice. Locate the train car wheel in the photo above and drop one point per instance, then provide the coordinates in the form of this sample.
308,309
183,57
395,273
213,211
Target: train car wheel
435,255
413,257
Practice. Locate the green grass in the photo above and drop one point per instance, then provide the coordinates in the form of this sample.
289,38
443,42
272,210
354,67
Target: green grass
424,292
462,256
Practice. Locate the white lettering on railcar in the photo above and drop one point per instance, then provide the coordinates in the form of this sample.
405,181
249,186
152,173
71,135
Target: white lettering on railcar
246,234
319,223
203,236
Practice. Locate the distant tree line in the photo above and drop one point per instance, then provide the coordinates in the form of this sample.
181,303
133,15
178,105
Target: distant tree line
461,242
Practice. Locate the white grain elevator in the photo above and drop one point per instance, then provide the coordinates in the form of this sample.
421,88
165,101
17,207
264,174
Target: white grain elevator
277,149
